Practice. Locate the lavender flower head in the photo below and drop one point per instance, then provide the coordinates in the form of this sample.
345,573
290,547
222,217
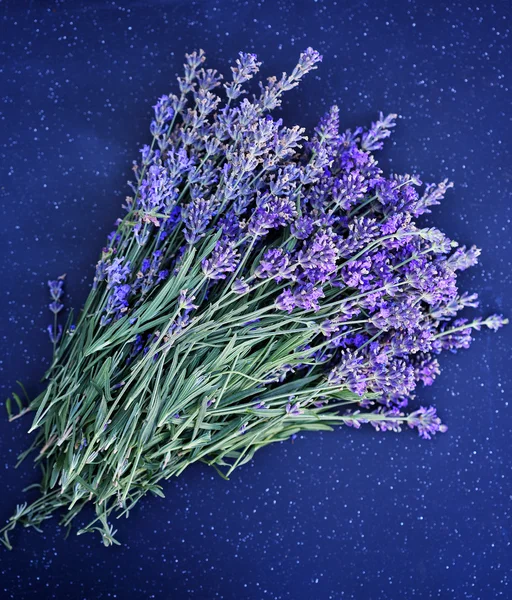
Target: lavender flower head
426,422
56,288
222,261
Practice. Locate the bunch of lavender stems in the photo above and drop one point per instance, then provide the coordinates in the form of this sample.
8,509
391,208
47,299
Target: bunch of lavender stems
260,284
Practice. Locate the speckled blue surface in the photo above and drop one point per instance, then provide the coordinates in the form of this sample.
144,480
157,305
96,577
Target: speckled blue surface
344,515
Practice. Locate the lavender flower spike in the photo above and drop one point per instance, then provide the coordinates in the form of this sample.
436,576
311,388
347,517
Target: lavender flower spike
56,288
222,261
55,333
426,422
246,66
379,131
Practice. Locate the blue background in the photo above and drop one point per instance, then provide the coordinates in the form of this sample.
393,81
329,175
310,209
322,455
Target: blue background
328,516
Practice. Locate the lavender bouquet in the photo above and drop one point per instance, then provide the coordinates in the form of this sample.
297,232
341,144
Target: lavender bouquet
260,283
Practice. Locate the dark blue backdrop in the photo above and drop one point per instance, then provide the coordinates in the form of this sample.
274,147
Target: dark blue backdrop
330,516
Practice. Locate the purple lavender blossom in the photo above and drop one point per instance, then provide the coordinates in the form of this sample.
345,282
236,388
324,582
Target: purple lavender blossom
402,313
349,189
196,216
453,336
272,213
240,286
426,421
145,266
247,66
117,304
432,196
230,225
163,114
157,191
426,369
113,238
286,301
496,322
223,260
56,288
117,272
55,333
391,420
276,264
308,61
464,258
379,131
293,409
327,130
185,301
305,297
302,227
318,257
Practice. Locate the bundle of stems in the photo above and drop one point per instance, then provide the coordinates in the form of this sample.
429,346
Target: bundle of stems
259,284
